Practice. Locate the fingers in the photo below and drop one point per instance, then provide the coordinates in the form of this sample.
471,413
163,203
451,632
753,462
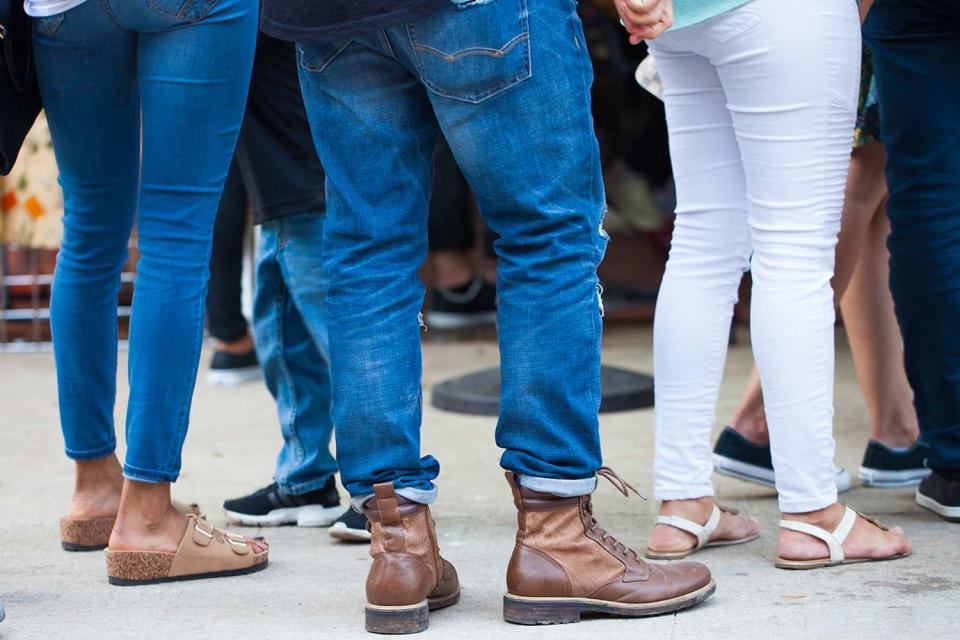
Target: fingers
637,14
646,28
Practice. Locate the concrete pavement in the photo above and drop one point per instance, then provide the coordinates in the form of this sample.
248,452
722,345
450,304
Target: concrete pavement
314,587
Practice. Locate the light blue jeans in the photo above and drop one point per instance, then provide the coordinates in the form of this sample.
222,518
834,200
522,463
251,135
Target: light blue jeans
144,101
289,320
508,84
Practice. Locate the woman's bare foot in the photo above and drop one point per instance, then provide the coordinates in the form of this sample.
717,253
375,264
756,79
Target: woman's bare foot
97,487
866,540
667,538
148,521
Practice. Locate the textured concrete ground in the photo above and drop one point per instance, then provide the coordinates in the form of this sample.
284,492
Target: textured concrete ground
313,588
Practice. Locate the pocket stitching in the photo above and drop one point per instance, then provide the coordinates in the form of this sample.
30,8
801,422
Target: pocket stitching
478,51
180,15
54,23
740,30
524,73
317,68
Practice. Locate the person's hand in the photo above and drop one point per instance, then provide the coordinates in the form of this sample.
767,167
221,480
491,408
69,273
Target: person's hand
645,19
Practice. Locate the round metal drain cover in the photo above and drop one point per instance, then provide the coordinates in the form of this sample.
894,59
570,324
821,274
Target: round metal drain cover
478,393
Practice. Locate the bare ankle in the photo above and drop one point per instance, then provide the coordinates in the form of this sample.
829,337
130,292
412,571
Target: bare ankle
752,426
827,518
896,434
694,507
99,473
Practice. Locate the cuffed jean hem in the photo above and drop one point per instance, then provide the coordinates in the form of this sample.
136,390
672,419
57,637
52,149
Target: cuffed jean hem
91,454
809,504
559,487
416,495
684,493
146,475
303,487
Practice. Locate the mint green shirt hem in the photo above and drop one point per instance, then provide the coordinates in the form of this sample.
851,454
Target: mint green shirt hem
690,12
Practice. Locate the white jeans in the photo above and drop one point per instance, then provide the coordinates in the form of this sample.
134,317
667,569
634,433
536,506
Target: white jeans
761,103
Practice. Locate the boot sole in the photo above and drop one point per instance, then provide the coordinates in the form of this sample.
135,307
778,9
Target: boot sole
405,619
537,611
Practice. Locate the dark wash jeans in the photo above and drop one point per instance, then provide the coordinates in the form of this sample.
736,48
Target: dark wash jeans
144,101
508,84
916,57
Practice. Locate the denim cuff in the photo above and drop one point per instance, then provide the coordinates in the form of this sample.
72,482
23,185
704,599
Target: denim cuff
561,488
416,495
303,487
92,454
146,475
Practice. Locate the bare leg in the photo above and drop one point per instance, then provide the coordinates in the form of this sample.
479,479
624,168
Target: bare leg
451,268
97,487
876,343
243,345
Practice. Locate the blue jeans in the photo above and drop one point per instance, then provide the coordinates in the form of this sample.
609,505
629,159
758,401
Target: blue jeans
289,320
508,85
171,76
916,58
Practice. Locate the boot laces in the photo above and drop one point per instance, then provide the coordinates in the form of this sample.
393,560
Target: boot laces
625,488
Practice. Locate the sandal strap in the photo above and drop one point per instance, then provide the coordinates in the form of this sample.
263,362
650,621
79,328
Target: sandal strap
834,540
701,532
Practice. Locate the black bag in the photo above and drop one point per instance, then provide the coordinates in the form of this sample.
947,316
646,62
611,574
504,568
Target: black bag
19,96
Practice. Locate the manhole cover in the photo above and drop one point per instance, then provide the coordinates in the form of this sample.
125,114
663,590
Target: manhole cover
479,393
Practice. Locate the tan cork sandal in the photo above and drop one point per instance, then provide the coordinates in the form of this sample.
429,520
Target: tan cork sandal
93,534
701,532
205,552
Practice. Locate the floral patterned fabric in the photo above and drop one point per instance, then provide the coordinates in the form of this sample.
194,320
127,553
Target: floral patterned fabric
31,202
868,115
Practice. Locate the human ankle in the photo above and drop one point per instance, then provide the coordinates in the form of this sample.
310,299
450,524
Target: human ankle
99,473
752,426
145,506
896,434
694,508
827,518
236,347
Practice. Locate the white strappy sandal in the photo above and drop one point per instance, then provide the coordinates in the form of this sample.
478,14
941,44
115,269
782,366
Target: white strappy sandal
701,532
834,541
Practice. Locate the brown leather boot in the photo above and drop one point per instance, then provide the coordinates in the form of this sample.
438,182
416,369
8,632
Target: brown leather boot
408,577
564,565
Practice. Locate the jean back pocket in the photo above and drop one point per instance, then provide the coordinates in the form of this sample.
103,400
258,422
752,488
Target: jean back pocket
185,10
471,51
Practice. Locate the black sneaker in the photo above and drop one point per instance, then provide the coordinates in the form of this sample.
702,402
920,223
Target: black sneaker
272,506
470,305
737,457
884,467
940,493
231,369
350,527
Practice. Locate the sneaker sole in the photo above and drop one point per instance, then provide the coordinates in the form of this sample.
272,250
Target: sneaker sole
765,477
342,532
886,479
233,377
950,514
540,611
448,321
308,516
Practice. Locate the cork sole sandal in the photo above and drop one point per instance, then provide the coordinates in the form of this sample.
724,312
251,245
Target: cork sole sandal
701,532
93,534
204,552
834,541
